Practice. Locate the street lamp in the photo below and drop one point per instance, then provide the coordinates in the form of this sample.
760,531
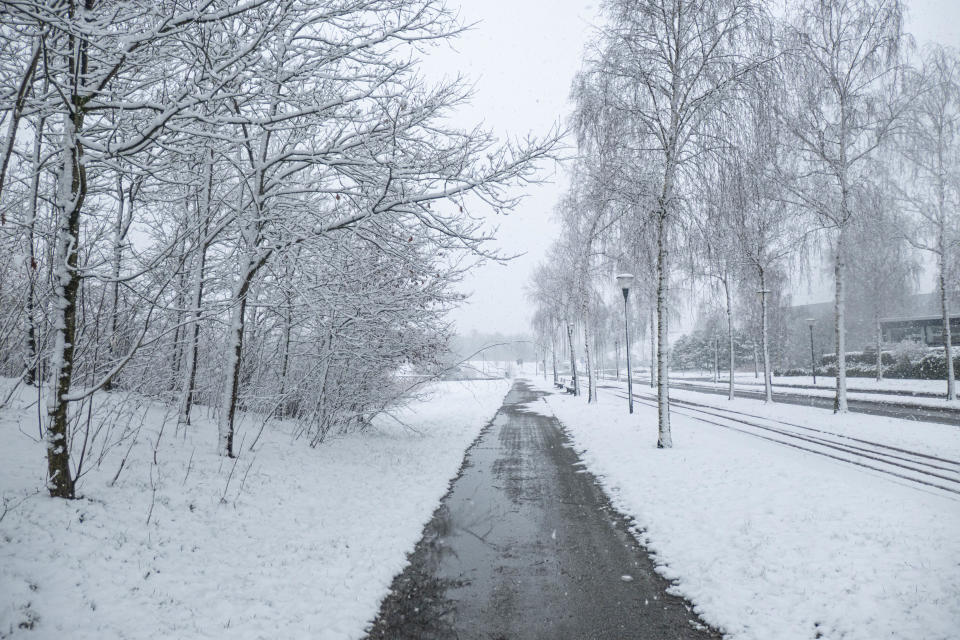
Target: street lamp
624,280
573,360
813,358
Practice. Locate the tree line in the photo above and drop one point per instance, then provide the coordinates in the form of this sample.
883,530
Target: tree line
724,148
253,206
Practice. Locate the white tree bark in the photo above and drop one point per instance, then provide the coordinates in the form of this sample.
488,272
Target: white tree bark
945,313
730,347
839,309
573,361
664,437
591,381
765,341
653,347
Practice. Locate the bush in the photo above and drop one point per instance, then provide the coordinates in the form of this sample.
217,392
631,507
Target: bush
856,371
867,357
793,372
931,365
909,351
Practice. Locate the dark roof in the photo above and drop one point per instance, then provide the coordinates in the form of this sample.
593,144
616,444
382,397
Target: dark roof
924,304
953,316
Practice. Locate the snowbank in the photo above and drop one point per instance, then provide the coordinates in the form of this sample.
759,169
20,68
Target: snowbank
770,542
291,543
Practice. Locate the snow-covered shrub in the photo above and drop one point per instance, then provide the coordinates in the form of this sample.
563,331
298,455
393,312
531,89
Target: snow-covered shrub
909,351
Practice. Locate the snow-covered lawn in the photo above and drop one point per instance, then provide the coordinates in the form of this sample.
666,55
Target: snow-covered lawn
293,543
770,542
869,389
870,384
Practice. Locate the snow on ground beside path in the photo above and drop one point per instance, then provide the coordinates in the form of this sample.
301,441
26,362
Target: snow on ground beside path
887,384
825,392
304,545
925,437
773,543
828,384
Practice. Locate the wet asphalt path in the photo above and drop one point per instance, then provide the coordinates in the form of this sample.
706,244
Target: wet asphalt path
526,546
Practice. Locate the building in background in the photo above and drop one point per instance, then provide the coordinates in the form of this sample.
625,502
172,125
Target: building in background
926,329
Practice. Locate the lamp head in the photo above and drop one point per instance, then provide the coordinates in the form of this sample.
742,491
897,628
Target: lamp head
624,280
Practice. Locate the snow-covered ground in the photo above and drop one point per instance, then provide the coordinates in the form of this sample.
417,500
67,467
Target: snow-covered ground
293,543
893,385
891,391
770,542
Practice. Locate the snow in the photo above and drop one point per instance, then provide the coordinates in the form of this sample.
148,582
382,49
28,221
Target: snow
749,381
772,542
293,543
892,390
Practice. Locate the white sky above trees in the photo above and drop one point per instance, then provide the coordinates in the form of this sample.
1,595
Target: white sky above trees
521,56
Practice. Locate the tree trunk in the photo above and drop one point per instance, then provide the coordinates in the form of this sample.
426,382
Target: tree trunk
573,361
945,311
664,437
178,343
118,236
234,352
591,381
30,360
192,330
840,402
653,348
285,361
553,352
72,189
879,349
730,348
764,340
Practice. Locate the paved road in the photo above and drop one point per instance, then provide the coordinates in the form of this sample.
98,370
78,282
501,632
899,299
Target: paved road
526,546
904,410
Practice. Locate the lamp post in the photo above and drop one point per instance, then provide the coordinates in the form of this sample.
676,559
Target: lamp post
624,280
573,360
813,358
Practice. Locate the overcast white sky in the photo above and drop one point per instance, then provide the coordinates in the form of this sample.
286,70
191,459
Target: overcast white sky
522,55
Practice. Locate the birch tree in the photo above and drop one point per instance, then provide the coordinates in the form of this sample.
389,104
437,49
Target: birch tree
930,147
674,60
844,67
715,254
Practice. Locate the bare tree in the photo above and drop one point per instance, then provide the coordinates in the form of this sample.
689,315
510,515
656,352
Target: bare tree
930,146
843,60
674,61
